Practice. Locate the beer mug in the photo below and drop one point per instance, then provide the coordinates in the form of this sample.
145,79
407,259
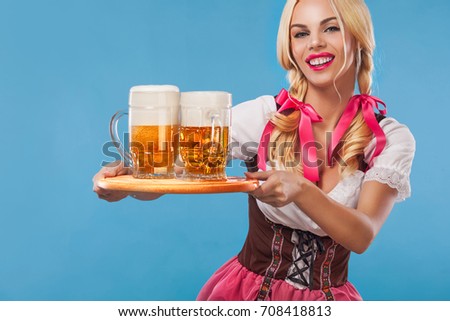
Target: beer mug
153,124
205,133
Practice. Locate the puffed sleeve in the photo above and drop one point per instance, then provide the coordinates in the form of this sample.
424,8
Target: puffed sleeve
393,165
248,122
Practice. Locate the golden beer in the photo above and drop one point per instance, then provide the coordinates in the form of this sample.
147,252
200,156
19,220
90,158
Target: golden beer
153,123
152,150
204,151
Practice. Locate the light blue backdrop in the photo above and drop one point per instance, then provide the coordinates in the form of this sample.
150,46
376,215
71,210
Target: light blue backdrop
67,66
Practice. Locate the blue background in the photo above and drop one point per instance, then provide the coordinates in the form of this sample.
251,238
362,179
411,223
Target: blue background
67,66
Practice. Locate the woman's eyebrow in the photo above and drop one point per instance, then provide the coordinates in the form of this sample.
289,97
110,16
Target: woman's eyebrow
324,21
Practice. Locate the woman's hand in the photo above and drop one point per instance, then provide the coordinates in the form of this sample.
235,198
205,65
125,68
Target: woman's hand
280,187
111,170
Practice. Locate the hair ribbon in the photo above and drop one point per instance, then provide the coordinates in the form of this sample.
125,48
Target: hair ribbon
305,133
367,104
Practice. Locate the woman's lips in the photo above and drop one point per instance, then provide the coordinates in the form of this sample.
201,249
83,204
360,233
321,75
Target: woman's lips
319,61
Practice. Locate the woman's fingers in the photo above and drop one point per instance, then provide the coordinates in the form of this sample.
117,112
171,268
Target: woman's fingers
110,170
279,188
261,176
266,189
114,169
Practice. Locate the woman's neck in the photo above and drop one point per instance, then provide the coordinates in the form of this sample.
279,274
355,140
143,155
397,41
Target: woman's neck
328,104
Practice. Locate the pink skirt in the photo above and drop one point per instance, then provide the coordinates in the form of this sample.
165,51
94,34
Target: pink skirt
233,282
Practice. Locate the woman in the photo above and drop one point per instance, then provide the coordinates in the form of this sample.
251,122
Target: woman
302,230
331,168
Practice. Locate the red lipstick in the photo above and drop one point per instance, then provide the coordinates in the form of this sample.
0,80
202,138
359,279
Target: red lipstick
327,57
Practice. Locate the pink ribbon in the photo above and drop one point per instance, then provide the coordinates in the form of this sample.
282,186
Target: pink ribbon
368,104
305,132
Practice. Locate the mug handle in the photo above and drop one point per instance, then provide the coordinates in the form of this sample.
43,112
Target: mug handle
113,131
215,118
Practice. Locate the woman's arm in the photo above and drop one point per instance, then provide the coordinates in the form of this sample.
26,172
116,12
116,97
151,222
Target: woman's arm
354,229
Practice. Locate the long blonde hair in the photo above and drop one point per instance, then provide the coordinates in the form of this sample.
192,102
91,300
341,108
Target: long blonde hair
355,17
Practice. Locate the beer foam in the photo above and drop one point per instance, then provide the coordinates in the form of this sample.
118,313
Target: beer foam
212,99
205,108
154,88
154,105
154,96
153,116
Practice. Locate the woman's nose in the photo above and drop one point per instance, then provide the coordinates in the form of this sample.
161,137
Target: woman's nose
315,41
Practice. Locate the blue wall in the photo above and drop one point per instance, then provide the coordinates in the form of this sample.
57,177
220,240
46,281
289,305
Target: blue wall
67,66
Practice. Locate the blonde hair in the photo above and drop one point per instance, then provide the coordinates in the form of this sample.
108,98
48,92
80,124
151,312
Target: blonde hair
354,16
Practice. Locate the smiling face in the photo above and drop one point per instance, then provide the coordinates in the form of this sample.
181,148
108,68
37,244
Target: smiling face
318,47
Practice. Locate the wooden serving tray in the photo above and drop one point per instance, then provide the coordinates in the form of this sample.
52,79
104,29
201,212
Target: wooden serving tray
177,186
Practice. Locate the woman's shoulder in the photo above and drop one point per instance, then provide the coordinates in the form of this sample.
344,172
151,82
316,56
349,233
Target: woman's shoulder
400,143
392,126
249,119
265,103
254,113
393,165
395,133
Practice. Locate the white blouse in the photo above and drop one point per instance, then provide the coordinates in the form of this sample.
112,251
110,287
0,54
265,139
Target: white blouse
391,167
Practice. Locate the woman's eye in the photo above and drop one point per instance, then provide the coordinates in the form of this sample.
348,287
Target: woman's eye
300,34
332,29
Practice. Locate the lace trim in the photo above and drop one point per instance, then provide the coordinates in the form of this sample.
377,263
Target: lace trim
347,190
392,178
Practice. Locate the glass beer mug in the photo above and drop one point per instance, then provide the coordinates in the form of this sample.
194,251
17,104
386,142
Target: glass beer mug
153,124
205,133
